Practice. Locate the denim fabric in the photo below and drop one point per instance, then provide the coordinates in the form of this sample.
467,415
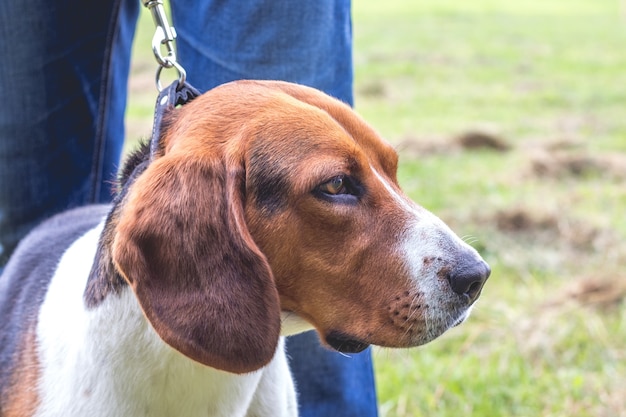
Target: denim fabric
330,384
61,122
308,42
63,79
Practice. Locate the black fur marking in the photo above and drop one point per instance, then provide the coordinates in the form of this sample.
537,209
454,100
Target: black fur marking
139,156
103,277
342,342
267,181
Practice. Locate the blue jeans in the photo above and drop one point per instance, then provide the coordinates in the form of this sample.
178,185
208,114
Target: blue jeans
63,77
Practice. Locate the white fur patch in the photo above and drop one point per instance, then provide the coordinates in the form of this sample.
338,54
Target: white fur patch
426,245
108,361
291,323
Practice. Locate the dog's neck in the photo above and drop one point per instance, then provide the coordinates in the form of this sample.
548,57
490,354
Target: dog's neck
103,277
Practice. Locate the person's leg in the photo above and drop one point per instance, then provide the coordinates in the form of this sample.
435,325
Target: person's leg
330,384
61,124
308,42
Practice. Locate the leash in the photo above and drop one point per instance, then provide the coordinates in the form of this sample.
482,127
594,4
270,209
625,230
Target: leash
180,92
168,99
164,35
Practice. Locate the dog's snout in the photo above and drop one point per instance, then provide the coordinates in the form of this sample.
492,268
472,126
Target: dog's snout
469,277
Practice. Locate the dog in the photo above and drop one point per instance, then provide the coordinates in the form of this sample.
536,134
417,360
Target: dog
267,209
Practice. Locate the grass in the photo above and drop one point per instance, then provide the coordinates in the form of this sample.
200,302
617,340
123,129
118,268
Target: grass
546,79
443,67
543,77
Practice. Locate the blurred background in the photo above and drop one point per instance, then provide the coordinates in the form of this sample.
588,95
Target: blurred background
510,121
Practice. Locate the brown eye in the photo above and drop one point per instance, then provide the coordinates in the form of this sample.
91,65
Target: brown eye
334,186
342,189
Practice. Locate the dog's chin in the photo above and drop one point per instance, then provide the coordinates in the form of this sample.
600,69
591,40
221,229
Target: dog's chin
344,343
439,326
461,319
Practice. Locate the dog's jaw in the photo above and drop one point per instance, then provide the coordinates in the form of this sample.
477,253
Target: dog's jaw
291,324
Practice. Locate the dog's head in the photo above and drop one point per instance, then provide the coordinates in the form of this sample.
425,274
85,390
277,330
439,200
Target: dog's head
269,197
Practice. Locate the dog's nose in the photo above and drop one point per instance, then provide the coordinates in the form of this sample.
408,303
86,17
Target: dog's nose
469,277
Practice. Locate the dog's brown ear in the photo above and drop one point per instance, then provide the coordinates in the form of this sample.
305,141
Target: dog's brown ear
183,245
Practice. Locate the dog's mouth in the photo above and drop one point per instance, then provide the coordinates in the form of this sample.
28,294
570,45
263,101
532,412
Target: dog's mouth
345,344
461,319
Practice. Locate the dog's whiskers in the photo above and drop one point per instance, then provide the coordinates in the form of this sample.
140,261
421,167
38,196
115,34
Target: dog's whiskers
469,239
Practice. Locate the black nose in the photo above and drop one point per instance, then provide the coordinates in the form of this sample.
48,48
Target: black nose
469,277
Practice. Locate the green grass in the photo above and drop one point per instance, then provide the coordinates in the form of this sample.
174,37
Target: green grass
547,78
443,66
532,74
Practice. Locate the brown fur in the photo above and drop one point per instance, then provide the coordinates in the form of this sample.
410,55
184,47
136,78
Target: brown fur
236,219
22,398
225,221
183,246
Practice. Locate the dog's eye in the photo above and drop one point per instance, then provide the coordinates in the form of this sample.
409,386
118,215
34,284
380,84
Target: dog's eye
340,189
335,186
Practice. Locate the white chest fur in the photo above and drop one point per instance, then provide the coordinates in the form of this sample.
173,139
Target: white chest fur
108,361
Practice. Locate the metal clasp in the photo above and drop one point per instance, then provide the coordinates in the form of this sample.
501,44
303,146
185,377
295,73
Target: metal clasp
164,35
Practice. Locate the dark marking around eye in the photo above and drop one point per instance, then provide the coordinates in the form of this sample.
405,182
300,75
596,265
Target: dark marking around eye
268,183
269,193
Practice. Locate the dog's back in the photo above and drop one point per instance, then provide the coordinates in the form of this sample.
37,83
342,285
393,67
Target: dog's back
23,286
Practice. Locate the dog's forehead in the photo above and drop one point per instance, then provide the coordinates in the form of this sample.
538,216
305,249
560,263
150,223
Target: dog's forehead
313,124
282,122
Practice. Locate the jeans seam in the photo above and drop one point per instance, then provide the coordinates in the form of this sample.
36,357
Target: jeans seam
100,139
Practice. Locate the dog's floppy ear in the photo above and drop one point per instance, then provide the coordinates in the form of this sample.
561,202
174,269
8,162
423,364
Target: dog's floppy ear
183,245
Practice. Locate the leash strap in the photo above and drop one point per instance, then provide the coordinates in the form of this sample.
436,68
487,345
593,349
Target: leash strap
177,94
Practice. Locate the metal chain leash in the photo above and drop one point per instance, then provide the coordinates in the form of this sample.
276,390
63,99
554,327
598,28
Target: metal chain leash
164,35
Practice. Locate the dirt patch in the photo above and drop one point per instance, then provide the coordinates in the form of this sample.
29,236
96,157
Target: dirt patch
549,229
477,139
600,292
373,89
524,220
424,146
465,141
559,164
